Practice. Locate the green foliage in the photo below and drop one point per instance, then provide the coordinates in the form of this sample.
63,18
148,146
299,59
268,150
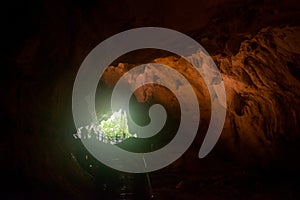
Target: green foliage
115,128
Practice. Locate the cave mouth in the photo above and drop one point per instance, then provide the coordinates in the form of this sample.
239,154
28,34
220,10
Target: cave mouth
139,112
109,180
115,184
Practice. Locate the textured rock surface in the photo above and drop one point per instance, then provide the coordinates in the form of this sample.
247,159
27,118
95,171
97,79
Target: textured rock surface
255,44
262,88
263,93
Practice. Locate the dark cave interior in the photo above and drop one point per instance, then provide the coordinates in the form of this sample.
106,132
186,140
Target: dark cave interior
256,46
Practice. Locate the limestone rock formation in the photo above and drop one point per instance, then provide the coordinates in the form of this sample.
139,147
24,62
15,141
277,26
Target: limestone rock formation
262,87
254,43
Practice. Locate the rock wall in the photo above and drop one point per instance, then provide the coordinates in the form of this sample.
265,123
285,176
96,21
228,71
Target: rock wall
262,88
255,44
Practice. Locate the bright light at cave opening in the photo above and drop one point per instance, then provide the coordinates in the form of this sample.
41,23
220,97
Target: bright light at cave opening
113,129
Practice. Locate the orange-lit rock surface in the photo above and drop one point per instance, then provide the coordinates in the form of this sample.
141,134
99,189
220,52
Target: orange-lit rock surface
262,88
254,43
